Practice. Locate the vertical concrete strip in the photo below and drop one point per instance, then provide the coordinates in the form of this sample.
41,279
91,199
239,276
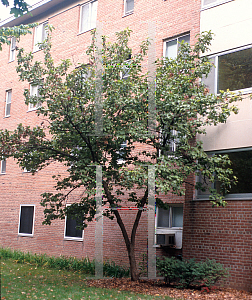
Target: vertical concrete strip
98,225
98,82
151,223
151,80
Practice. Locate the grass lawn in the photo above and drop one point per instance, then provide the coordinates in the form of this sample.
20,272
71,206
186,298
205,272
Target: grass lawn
26,281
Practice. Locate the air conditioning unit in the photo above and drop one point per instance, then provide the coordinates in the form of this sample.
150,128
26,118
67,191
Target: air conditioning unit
165,239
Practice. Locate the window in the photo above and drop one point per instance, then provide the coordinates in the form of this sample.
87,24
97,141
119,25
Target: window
40,36
233,71
172,141
12,49
121,152
71,232
34,92
171,47
126,68
88,16
8,103
3,166
169,226
26,220
128,7
241,164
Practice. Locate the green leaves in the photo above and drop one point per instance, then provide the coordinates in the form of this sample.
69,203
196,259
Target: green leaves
69,134
16,31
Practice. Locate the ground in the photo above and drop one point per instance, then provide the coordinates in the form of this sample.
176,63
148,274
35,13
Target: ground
158,288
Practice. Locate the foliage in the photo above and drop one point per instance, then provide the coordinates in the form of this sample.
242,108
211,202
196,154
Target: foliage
16,31
19,7
189,273
64,263
75,104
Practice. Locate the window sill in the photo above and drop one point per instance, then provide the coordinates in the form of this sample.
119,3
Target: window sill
10,61
85,31
214,4
33,109
2,173
25,234
128,14
245,196
7,116
73,239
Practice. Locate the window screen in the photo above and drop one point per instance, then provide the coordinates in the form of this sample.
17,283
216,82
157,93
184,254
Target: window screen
26,219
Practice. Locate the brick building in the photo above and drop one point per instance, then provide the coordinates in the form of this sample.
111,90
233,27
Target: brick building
223,234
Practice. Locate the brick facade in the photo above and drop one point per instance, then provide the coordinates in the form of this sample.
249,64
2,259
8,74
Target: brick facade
208,232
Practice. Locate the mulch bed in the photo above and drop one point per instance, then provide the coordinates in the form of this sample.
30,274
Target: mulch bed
152,287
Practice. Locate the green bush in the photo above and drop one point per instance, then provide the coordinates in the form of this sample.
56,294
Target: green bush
189,273
110,269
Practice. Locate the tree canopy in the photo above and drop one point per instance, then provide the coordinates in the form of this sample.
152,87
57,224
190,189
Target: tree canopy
115,85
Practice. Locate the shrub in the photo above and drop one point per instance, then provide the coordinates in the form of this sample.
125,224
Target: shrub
110,269
189,273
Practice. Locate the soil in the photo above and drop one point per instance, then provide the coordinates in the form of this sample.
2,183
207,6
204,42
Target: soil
152,287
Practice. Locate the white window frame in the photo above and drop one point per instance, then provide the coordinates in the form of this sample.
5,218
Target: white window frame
176,231
129,11
173,39
72,238
34,91
40,34
8,102
3,166
33,221
12,49
238,196
215,58
215,3
92,16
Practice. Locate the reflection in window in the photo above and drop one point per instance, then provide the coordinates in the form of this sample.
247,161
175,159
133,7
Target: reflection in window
235,70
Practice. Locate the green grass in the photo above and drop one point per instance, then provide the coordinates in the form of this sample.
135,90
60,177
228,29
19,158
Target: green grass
26,281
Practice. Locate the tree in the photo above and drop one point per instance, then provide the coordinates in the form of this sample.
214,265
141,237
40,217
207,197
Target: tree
68,101
19,7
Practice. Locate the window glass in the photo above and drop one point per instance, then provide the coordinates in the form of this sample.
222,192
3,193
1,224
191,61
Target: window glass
177,216
71,230
88,16
40,35
172,47
241,164
26,219
8,103
3,166
209,81
129,6
235,70
163,218
12,48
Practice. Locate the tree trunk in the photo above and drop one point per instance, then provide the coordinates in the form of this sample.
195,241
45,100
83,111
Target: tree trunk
134,274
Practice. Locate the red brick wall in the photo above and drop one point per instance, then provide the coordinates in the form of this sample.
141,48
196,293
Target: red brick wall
223,234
